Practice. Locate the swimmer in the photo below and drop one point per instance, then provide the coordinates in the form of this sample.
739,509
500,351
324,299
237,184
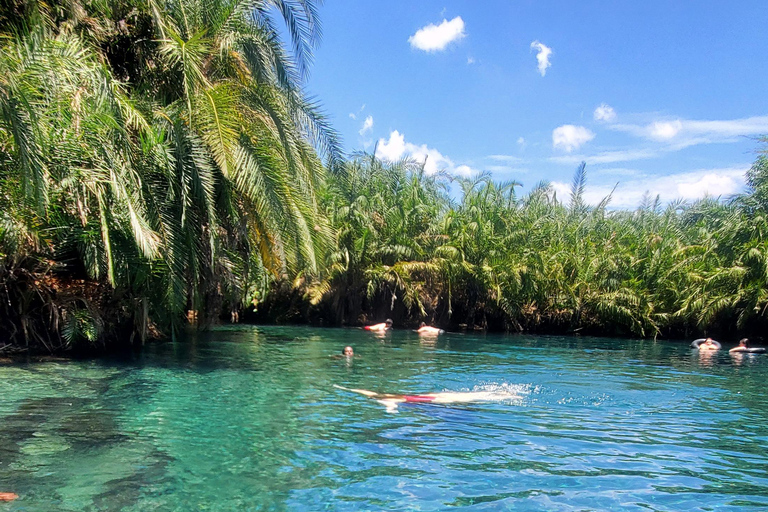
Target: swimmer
709,344
428,330
8,496
391,401
346,353
384,326
743,346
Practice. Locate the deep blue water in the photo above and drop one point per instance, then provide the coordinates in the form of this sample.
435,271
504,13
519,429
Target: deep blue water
248,419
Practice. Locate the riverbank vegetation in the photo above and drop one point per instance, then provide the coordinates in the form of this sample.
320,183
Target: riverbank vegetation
159,161
538,262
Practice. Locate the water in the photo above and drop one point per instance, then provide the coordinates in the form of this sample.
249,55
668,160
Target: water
248,419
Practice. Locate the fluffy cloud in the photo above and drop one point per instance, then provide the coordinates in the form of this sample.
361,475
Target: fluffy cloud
664,130
396,148
542,56
605,113
569,137
367,125
689,186
434,38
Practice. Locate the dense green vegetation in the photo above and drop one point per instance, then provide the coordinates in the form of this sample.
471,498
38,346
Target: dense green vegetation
154,157
539,262
159,157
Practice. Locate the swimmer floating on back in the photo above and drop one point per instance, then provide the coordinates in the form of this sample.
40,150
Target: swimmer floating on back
391,401
425,329
384,326
8,496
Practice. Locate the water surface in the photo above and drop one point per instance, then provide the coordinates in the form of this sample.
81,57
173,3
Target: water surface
248,419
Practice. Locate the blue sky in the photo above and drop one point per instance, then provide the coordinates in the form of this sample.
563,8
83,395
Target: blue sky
664,97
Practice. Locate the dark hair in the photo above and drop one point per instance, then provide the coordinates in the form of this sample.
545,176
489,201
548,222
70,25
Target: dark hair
389,321
423,324
744,341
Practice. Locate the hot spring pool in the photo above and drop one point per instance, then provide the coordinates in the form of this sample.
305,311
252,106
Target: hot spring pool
248,419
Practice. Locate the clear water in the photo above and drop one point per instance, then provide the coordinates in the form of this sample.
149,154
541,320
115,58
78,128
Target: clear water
248,419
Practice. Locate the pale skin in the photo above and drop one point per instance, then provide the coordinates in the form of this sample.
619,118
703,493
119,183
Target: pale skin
8,496
708,345
391,401
383,326
741,348
429,330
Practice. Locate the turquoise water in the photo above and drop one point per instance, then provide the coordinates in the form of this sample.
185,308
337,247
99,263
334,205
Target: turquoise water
248,419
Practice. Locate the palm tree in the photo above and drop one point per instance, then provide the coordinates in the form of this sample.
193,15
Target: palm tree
193,173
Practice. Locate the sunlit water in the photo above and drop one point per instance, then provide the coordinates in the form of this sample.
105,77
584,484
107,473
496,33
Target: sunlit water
248,419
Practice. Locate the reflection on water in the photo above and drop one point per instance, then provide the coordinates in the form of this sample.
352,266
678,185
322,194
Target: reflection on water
248,419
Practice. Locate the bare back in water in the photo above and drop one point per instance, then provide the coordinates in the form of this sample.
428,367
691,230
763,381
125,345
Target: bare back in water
391,401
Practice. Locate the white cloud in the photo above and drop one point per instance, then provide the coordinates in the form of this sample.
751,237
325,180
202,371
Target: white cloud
506,158
521,142
367,125
470,60
682,133
396,148
433,38
543,56
464,170
605,113
353,115
664,130
569,137
690,186
607,157
392,149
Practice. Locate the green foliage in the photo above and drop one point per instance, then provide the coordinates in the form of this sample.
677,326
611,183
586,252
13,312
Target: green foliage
498,260
163,148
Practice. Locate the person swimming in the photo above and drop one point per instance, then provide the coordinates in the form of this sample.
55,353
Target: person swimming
347,351
743,346
391,401
384,326
429,330
8,496
709,344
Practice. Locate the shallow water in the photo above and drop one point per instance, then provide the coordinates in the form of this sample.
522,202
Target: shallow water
248,419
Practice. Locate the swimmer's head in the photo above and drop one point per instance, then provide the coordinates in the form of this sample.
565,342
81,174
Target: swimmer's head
708,341
389,322
423,324
348,351
743,342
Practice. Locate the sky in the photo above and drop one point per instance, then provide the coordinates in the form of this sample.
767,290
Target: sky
660,97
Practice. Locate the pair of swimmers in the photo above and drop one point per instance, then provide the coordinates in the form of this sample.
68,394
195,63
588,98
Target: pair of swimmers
387,325
710,345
